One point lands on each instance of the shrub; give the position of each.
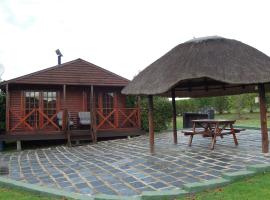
(162, 113)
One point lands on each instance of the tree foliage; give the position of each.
(162, 113)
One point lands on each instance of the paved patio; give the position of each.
(125, 167)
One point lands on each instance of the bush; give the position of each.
(162, 113)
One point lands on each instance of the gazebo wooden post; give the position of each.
(263, 114)
(174, 117)
(93, 116)
(151, 122)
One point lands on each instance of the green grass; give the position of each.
(254, 188)
(246, 119)
(16, 194)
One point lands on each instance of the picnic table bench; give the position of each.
(212, 128)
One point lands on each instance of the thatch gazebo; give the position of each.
(205, 67)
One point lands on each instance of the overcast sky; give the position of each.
(121, 36)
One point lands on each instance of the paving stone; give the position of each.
(127, 166)
(158, 185)
(137, 184)
(96, 183)
(149, 180)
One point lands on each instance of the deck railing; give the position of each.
(113, 118)
(39, 120)
(106, 118)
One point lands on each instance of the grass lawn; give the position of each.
(246, 119)
(253, 188)
(15, 194)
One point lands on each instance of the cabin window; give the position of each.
(49, 103)
(108, 105)
(44, 101)
(31, 103)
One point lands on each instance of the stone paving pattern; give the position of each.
(126, 167)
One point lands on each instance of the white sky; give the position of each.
(119, 35)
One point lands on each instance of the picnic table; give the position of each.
(212, 128)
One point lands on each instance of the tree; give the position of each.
(250, 102)
(187, 105)
(202, 103)
(162, 113)
(221, 104)
(238, 102)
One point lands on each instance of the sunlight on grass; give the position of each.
(15, 194)
(246, 119)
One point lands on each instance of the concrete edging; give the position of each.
(204, 185)
(148, 195)
(234, 176)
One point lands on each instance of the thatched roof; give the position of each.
(203, 66)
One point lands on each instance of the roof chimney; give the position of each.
(59, 54)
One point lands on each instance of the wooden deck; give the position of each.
(75, 135)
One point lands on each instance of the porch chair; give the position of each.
(60, 119)
(84, 118)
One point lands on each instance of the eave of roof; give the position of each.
(14, 80)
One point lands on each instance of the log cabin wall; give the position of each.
(77, 100)
(15, 108)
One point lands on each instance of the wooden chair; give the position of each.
(84, 118)
(60, 119)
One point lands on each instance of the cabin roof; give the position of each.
(76, 72)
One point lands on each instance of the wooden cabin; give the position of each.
(35, 101)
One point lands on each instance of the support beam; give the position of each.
(7, 108)
(263, 114)
(65, 120)
(93, 116)
(19, 145)
(139, 112)
(174, 117)
(151, 123)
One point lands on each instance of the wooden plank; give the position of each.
(41, 109)
(151, 123)
(7, 108)
(75, 134)
(174, 117)
(23, 121)
(22, 104)
(93, 115)
(139, 112)
(263, 116)
(128, 117)
(64, 109)
(116, 108)
(105, 119)
(49, 120)
(65, 122)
